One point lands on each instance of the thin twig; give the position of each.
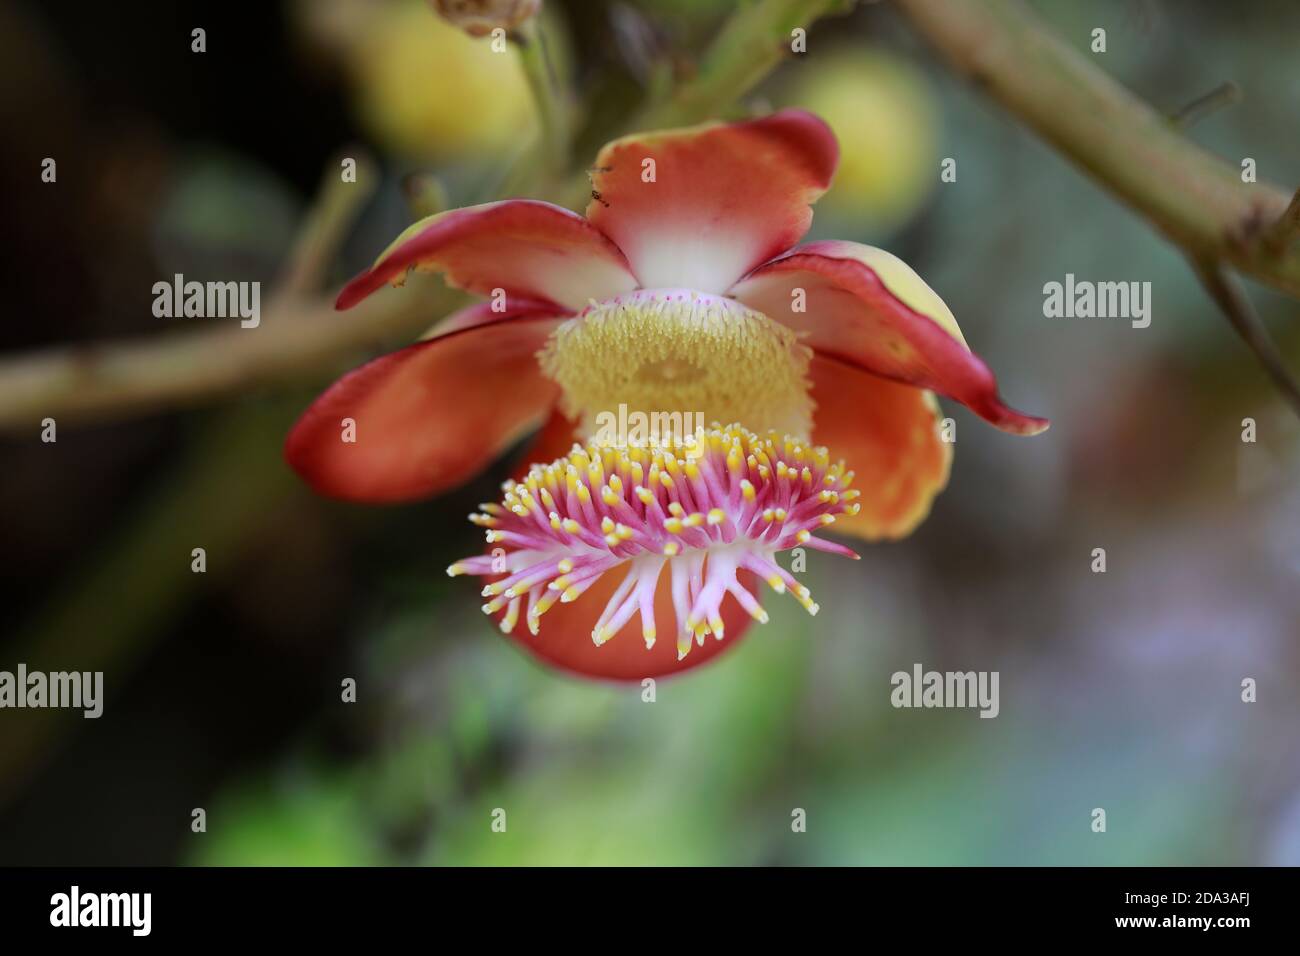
(1225, 94)
(332, 215)
(552, 112)
(1228, 294)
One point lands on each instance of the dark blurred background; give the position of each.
(1119, 690)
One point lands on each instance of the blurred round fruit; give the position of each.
(427, 91)
(886, 118)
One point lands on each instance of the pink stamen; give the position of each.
(731, 506)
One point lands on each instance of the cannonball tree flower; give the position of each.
(681, 290)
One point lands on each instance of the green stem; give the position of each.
(552, 113)
(752, 44)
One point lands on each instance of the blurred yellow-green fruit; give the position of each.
(886, 118)
(426, 91)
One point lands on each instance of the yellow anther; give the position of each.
(544, 604)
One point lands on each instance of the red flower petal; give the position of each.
(869, 308)
(427, 417)
(483, 313)
(886, 432)
(531, 249)
(723, 199)
(564, 636)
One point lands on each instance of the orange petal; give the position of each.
(867, 307)
(698, 208)
(427, 417)
(886, 433)
(564, 635)
(528, 249)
